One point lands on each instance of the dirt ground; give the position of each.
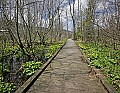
(68, 74)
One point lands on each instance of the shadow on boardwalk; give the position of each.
(67, 74)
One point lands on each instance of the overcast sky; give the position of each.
(67, 7)
(99, 11)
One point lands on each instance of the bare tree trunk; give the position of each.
(17, 27)
(67, 24)
(29, 27)
(72, 12)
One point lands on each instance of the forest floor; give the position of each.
(68, 73)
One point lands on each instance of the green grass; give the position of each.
(104, 58)
(29, 67)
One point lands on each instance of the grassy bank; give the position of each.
(104, 58)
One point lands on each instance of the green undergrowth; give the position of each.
(30, 67)
(41, 53)
(104, 58)
(53, 48)
(5, 87)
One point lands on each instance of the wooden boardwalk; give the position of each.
(67, 73)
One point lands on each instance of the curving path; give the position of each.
(67, 74)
